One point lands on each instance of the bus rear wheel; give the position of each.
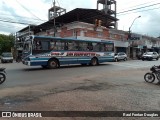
(52, 64)
(94, 61)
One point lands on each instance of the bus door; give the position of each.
(27, 49)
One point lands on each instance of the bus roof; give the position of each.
(71, 39)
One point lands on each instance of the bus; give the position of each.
(52, 52)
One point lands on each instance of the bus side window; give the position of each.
(96, 47)
(73, 46)
(58, 45)
(90, 47)
(66, 46)
(38, 45)
(45, 45)
(102, 47)
(77, 46)
(62, 45)
(53, 45)
(82, 46)
(109, 47)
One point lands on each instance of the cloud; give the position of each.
(29, 11)
(147, 24)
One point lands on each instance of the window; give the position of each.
(53, 45)
(73, 45)
(60, 45)
(41, 45)
(45, 45)
(89, 46)
(83, 46)
(37, 45)
(100, 34)
(109, 47)
(74, 33)
(96, 46)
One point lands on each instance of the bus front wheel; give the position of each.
(94, 61)
(52, 64)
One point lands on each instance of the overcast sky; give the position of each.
(36, 12)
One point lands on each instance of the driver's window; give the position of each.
(37, 45)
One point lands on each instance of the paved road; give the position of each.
(116, 86)
(18, 74)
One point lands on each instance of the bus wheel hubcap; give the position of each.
(53, 64)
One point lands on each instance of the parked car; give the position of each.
(6, 57)
(120, 56)
(150, 56)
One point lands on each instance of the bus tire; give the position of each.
(53, 63)
(2, 78)
(94, 61)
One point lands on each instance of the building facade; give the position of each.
(137, 45)
(85, 31)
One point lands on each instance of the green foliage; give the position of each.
(6, 42)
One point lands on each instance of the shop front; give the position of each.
(121, 46)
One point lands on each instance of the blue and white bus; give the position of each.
(51, 52)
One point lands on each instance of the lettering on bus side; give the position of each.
(55, 53)
(81, 54)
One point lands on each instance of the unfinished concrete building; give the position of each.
(109, 7)
(55, 11)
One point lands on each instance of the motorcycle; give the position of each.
(155, 73)
(2, 75)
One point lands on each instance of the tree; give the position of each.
(6, 42)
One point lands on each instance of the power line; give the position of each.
(2, 14)
(141, 4)
(27, 10)
(14, 22)
(138, 8)
(16, 27)
(26, 21)
(58, 3)
(139, 11)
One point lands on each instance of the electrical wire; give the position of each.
(13, 26)
(2, 14)
(14, 22)
(27, 10)
(58, 3)
(138, 8)
(139, 5)
(139, 11)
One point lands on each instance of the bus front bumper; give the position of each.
(26, 63)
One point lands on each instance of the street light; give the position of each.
(129, 34)
(132, 24)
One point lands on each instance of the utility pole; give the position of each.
(53, 13)
(129, 39)
(54, 6)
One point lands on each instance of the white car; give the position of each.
(120, 56)
(150, 56)
(7, 57)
